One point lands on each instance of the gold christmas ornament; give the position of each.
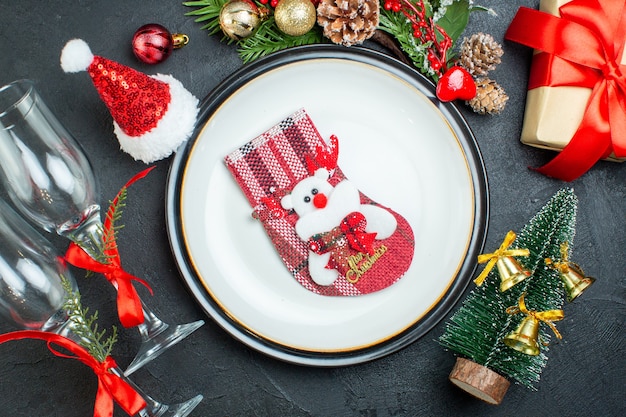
(348, 22)
(479, 54)
(573, 277)
(295, 17)
(524, 338)
(510, 271)
(239, 19)
(490, 97)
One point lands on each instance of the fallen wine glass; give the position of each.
(35, 286)
(51, 182)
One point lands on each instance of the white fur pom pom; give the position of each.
(76, 56)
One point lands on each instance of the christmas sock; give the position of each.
(333, 239)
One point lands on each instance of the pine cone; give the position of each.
(480, 53)
(348, 22)
(490, 97)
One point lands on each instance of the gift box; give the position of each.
(559, 100)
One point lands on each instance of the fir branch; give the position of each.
(100, 255)
(442, 23)
(268, 39)
(397, 25)
(85, 326)
(208, 11)
(113, 215)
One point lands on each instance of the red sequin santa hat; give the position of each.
(152, 115)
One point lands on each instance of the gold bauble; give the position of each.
(295, 17)
(239, 19)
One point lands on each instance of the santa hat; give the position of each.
(152, 115)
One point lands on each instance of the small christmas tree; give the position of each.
(492, 312)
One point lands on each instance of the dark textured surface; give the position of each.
(585, 372)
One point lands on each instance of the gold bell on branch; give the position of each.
(511, 272)
(575, 281)
(572, 275)
(524, 338)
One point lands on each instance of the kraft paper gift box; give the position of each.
(553, 114)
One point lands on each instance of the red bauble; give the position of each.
(152, 43)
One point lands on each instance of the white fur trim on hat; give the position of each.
(76, 56)
(174, 128)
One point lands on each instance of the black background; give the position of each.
(585, 371)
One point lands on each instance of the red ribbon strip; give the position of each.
(582, 48)
(110, 386)
(129, 307)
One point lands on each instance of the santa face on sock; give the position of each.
(336, 213)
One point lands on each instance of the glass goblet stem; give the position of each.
(156, 335)
(88, 235)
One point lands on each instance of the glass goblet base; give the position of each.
(157, 337)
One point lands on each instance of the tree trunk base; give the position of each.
(479, 381)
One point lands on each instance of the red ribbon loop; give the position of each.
(584, 48)
(129, 307)
(111, 387)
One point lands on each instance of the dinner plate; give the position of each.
(399, 144)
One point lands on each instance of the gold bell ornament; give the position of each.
(525, 338)
(511, 272)
(573, 277)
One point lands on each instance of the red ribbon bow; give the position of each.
(353, 226)
(111, 387)
(128, 302)
(129, 307)
(583, 48)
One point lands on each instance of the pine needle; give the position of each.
(397, 25)
(208, 11)
(85, 326)
(113, 216)
(268, 40)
